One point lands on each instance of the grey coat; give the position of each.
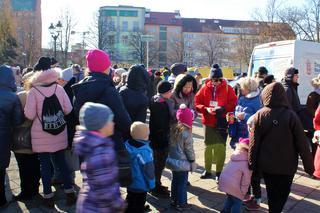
(11, 114)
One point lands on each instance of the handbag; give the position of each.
(22, 137)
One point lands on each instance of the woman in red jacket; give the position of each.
(213, 101)
(316, 125)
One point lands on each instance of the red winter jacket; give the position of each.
(316, 120)
(225, 96)
(316, 125)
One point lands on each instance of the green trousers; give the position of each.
(215, 151)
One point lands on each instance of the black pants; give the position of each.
(29, 171)
(255, 188)
(278, 190)
(3, 199)
(136, 201)
(160, 157)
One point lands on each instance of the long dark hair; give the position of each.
(183, 82)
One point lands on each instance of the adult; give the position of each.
(184, 92)
(277, 130)
(44, 142)
(262, 73)
(213, 101)
(134, 93)
(269, 79)
(117, 75)
(176, 69)
(10, 116)
(316, 124)
(77, 72)
(98, 87)
(248, 104)
(290, 84)
(28, 162)
(157, 79)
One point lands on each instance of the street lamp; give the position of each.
(55, 31)
(147, 38)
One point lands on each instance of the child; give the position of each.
(142, 168)
(181, 158)
(100, 189)
(161, 110)
(235, 177)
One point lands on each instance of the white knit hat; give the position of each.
(66, 74)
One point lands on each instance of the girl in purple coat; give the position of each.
(100, 190)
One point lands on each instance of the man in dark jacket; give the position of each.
(290, 84)
(11, 115)
(276, 143)
(98, 87)
(134, 93)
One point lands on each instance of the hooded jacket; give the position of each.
(143, 179)
(236, 176)
(224, 95)
(44, 81)
(11, 113)
(278, 137)
(292, 94)
(99, 88)
(100, 191)
(134, 93)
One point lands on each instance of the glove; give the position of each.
(220, 110)
(193, 166)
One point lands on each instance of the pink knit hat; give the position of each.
(184, 115)
(97, 60)
(244, 142)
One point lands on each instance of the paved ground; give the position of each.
(203, 194)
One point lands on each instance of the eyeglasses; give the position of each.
(217, 79)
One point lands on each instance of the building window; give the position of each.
(163, 58)
(128, 13)
(23, 5)
(111, 25)
(125, 26)
(163, 36)
(163, 46)
(111, 39)
(109, 13)
(163, 28)
(152, 29)
(135, 26)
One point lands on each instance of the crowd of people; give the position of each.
(96, 121)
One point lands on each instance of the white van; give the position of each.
(280, 55)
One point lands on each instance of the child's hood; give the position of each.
(85, 142)
(239, 155)
(135, 146)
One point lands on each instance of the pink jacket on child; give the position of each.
(236, 176)
(43, 141)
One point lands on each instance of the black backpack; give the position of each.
(52, 117)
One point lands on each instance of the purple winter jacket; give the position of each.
(100, 190)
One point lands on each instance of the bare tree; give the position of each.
(175, 49)
(212, 46)
(68, 25)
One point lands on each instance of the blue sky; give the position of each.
(84, 10)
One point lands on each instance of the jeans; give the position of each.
(57, 174)
(136, 201)
(179, 187)
(278, 190)
(3, 199)
(28, 164)
(232, 204)
(46, 172)
(160, 157)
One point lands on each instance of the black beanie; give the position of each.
(163, 87)
(44, 63)
(178, 68)
(290, 72)
(268, 79)
(53, 61)
(262, 71)
(216, 72)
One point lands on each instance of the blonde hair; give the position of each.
(315, 82)
(248, 83)
(26, 79)
(176, 131)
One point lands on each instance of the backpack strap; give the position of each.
(40, 92)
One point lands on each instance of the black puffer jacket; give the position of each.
(98, 88)
(278, 137)
(11, 113)
(292, 94)
(134, 93)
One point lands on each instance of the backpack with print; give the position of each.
(52, 118)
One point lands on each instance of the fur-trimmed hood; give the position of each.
(42, 78)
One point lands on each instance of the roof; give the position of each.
(163, 18)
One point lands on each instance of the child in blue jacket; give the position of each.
(143, 179)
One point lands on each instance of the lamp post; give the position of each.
(147, 38)
(55, 31)
(84, 33)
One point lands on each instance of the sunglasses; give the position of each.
(217, 79)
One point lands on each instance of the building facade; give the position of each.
(116, 24)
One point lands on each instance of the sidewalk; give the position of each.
(203, 194)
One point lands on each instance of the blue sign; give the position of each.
(23, 5)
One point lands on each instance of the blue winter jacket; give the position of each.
(134, 93)
(248, 104)
(99, 88)
(143, 179)
(11, 113)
